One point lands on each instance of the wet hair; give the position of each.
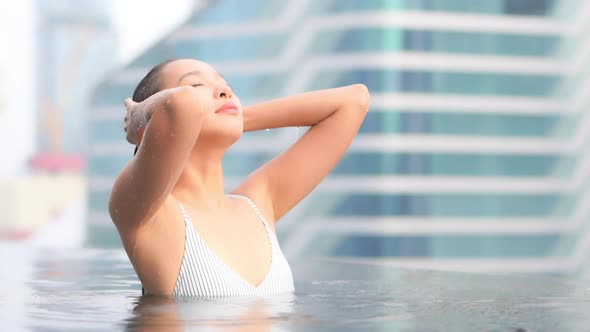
(149, 85)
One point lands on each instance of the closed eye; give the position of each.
(196, 85)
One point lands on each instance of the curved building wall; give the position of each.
(470, 156)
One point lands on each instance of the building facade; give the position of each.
(469, 158)
(76, 44)
(74, 49)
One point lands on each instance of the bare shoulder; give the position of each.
(168, 216)
(258, 193)
(157, 246)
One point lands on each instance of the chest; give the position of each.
(239, 238)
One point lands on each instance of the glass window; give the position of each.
(448, 205)
(396, 121)
(441, 82)
(242, 163)
(446, 164)
(109, 166)
(395, 39)
(110, 94)
(99, 201)
(256, 86)
(239, 48)
(103, 234)
(513, 7)
(108, 131)
(451, 164)
(236, 11)
(480, 43)
(448, 246)
(528, 7)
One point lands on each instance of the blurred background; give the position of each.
(472, 158)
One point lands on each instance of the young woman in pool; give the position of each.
(182, 233)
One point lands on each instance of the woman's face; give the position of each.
(219, 128)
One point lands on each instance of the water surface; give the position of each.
(97, 290)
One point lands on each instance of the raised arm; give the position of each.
(145, 182)
(335, 116)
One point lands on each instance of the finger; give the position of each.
(130, 137)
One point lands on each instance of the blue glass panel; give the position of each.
(446, 164)
(108, 165)
(441, 82)
(231, 49)
(395, 39)
(99, 201)
(458, 205)
(512, 7)
(396, 121)
(112, 94)
(448, 246)
(236, 11)
(108, 131)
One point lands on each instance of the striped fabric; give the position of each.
(204, 274)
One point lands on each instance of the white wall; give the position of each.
(17, 86)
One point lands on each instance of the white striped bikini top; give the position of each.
(204, 274)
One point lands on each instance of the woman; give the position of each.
(182, 233)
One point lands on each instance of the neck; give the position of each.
(201, 183)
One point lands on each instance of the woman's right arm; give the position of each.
(175, 119)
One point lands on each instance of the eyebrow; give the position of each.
(196, 72)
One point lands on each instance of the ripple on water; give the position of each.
(99, 290)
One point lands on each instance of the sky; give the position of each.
(140, 23)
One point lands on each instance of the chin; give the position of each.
(235, 135)
(231, 131)
(226, 136)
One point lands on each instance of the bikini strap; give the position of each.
(255, 209)
(183, 210)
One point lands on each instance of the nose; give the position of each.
(223, 91)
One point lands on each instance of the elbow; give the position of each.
(362, 97)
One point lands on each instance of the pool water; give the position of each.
(97, 290)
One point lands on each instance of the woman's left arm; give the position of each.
(335, 116)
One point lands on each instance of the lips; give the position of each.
(228, 108)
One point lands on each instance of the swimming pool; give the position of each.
(96, 290)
